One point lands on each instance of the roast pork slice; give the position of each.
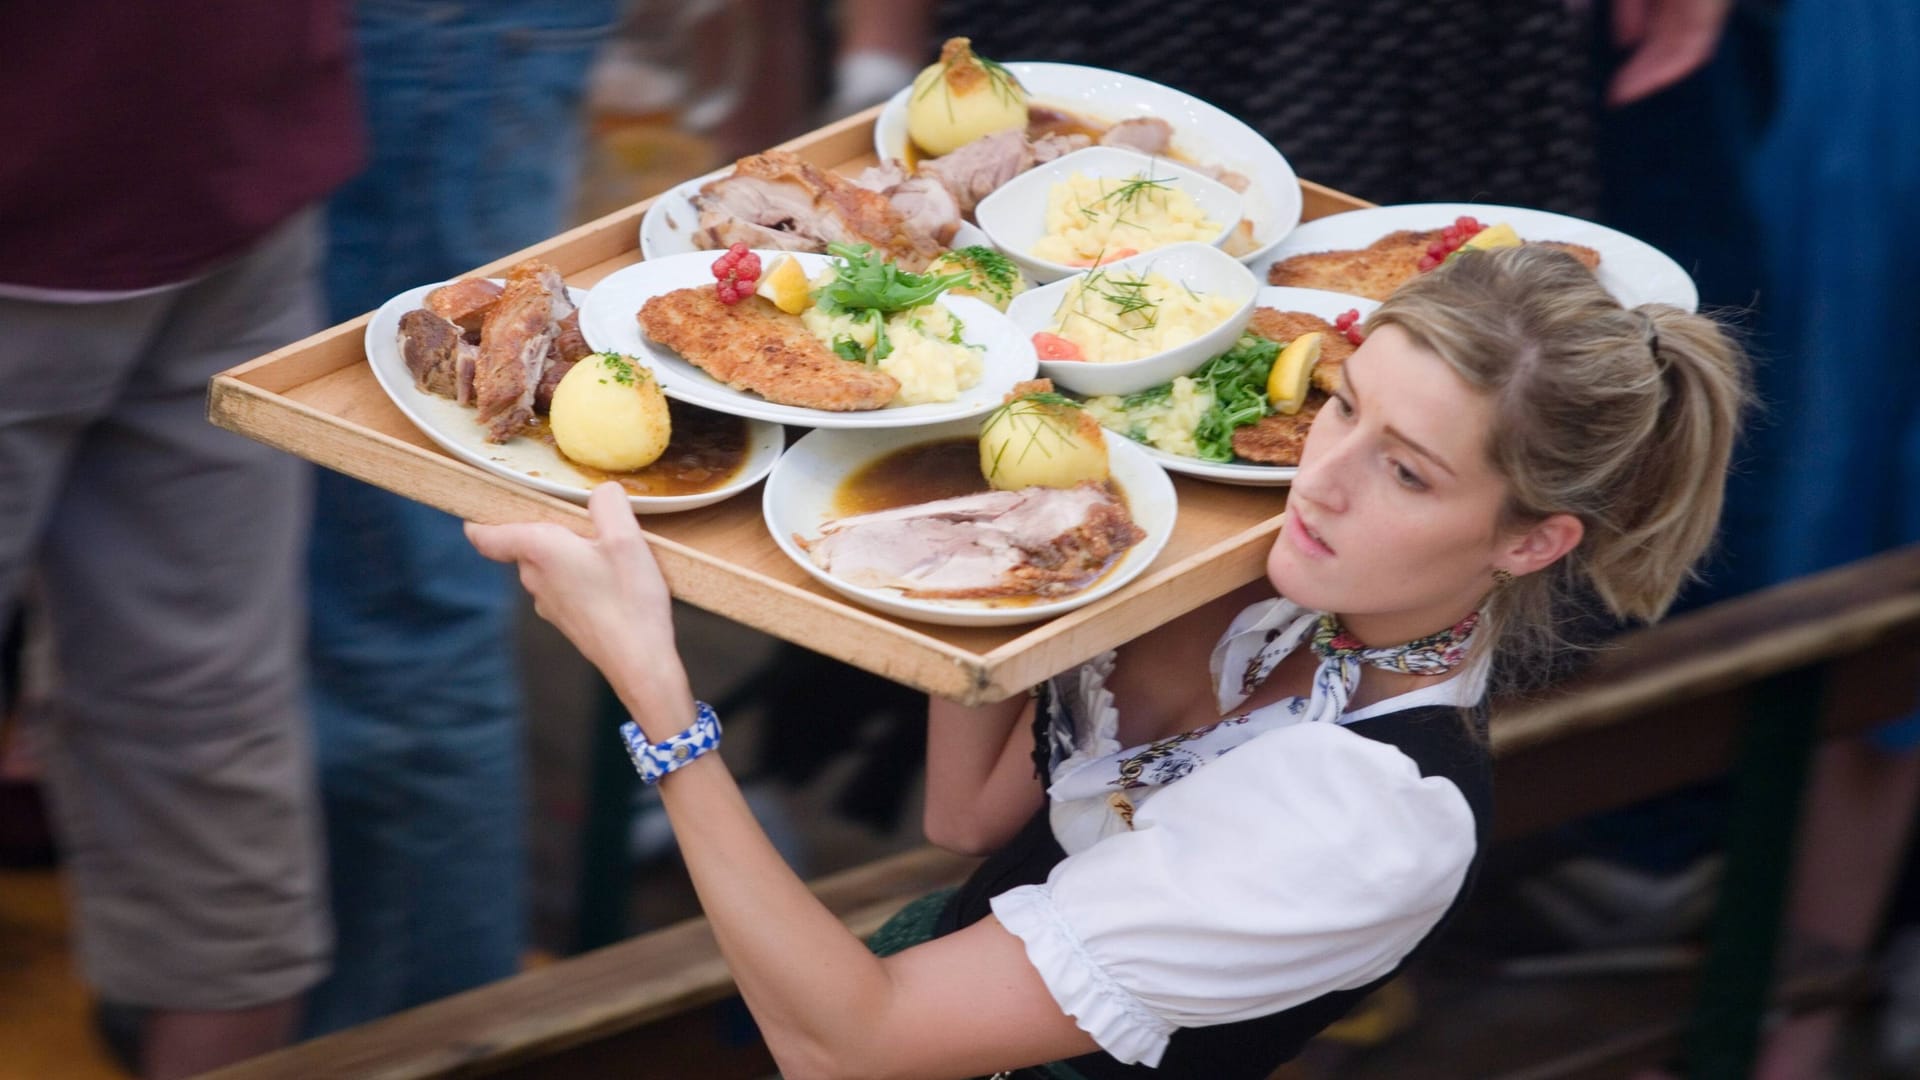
(569, 348)
(513, 347)
(430, 347)
(1147, 134)
(465, 303)
(1048, 147)
(928, 206)
(779, 191)
(1033, 542)
(976, 169)
(883, 177)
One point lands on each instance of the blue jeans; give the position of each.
(474, 112)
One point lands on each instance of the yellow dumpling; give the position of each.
(961, 97)
(608, 413)
(1041, 440)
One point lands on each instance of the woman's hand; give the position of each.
(607, 596)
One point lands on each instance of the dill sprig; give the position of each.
(1128, 297)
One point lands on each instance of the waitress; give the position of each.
(1208, 844)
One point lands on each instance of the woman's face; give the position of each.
(1393, 520)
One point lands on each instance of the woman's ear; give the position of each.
(1541, 545)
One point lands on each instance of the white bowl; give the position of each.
(530, 461)
(799, 499)
(1205, 270)
(1014, 217)
(1202, 133)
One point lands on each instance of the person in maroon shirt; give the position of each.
(158, 186)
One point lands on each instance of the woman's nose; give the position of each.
(1325, 473)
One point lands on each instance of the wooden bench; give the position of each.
(1743, 687)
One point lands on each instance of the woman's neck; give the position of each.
(1382, 630)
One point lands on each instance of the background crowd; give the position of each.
(279, 721)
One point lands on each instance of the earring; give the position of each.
(1502, 577)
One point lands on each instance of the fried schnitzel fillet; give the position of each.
(756, 347)
(1278, 439)
(1379, 268)
(1284, 326)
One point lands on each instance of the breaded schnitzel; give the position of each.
(1278, 439)
(756, 347)
(1284, 326)
(1382, 266)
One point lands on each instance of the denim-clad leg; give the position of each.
(474, 112)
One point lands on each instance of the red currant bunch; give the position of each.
(737, 272)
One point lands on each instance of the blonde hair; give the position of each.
(1624, 418)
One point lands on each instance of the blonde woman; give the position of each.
(1210, 843)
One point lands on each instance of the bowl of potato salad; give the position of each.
(1138, 322)
(1102, 204)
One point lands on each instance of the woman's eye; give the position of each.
(1407, 477)
(1344, 407)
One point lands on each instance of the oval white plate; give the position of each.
(1634, 271)
(528, 461)
(799, 499)
(609, 318)
(668, 226)
(1203, 133)
(1014, 215)
(1200, 268)
(1327, 305)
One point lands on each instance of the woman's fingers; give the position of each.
(612, 515)
(502, 543)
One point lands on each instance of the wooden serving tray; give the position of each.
(317, 398)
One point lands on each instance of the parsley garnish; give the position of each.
(621, 369)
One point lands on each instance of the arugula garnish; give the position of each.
(869, 288)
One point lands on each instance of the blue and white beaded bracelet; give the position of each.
(655, 760)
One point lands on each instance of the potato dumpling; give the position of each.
(1041, 439)
(608, 413)
(961, 97)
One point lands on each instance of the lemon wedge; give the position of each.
(1287, 382)
(1494, 236)
(786, 285)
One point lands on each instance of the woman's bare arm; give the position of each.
(981, 786)
(963, 1005)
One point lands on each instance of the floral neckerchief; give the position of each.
(1259, 638)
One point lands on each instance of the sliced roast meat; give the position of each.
(430, 347)
(465, 303)
(1033, 542)
(513, 347)
(972, 172)
(1147, 134)
(928, 206)
(569, 348)
(778, 192)
(1048, 147)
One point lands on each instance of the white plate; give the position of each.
(1204, 134)
(668, 226)
(1327, 305)
(523, 460)
(609, 319)
(1014, 215)
(799, 499)
(1634, 271)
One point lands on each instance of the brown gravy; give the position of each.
(913, 474)
(706, 451)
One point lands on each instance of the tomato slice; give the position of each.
(1055, 347)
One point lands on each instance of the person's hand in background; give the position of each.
(1669, 39)
(883, 45)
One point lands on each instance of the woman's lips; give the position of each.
(1305, 538)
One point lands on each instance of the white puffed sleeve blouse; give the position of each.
(1275, 861)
